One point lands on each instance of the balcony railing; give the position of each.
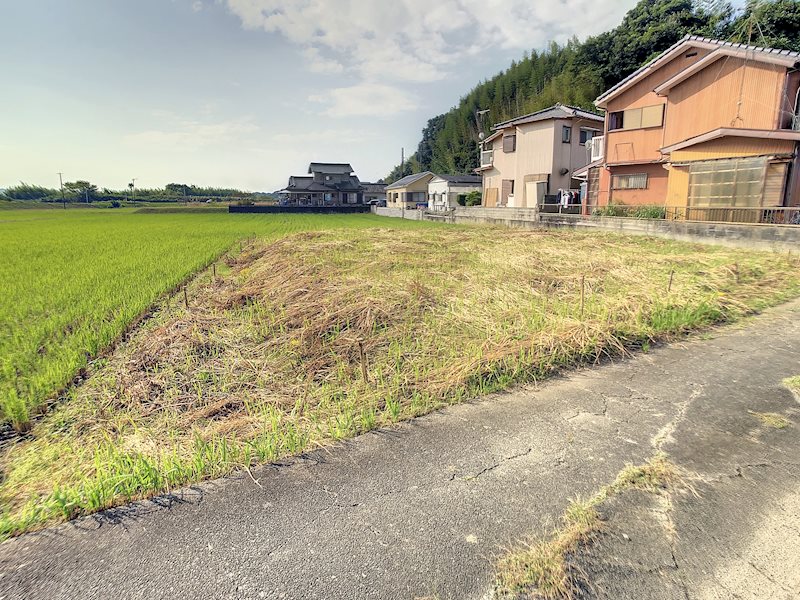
(596, 147)
(487, 158)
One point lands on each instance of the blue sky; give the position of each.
(245, 93)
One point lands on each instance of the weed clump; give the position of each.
(542, 567)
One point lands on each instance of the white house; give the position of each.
(448, 191)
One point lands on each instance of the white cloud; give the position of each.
(304, 139)
(365, 99)
(197, 5)
(317, 63)
(189, 135)
(420, 40)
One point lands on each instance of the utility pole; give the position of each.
(61, 184)
(133, 187)
(402, 174)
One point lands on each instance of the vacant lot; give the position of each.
(320, 336)
(74, 280)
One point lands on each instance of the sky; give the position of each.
(244, 93)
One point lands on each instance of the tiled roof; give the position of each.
(559, 111)
(408, 180)
(468, 179)
(333, 168)
(373, 187)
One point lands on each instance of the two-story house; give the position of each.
(536, 154)
(705, 124)
(327, 184)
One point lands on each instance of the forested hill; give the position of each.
(576, 73)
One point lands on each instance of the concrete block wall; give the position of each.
(398, 213)
(784, 238)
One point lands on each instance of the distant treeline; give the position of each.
(85, 191)
(576, 73)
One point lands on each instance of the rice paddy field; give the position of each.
(303, 330)
(73, 281)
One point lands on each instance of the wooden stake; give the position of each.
(214, 270)
(583, 291)
(185, 297)
(671, 277)
(363, 357)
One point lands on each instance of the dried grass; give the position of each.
(271, 358)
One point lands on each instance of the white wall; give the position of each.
(451, 191)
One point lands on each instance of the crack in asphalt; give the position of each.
(665, 434)
(497, 464)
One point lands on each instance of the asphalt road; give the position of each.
(422, 510)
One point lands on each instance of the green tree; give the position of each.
(25, 191)
(81, 190)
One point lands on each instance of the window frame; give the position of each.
(615, 179)
(566, 134)
(512, 137)
(632, 119)
(590, 135)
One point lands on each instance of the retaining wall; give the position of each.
(272, 209)
(762, 237)
(398, 213)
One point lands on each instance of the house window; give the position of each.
(586, 135)
(730, 182)
(653, 116)
(510, 143)
(566, 134)
(637, 118)
(636, 181)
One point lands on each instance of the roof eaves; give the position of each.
(676, 48)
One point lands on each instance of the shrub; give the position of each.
(612, 210)
(637, 212)
(649, 212)
(115, 204)
(474, 198)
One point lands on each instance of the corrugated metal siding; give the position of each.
(490, 198)
(678, 186)
(634, 145)
(732, 147)
(593, 187)
(642, 93)
(710, 99)
(775, 184)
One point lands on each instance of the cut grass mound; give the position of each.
(322, 336)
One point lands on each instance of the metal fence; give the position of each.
(732, 214)
(560, 209)
(778, 215)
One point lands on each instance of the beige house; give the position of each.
(409, 191)
(536, 154)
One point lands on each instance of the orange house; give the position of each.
(706, 124)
